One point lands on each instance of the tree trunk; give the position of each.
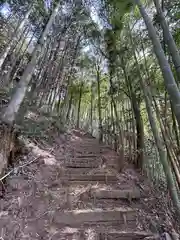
(139, 122)
(169, 39)
(121, 139)
(91, 113)
(17, 99)
(69, 107)
(162, 153)
(161, 150)
(6, 78)
(169, 80)
(79, 104)
(167, 169)
(140, 132)
(169, 148)
(114, 142)
(7, 49)
(24, 106)
(99, 105)
(20, 60)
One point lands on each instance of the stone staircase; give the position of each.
(105, 210)
(87, 200)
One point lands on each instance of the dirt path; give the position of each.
(76, 193)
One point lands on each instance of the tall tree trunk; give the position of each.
(14, 105)
(139, 160)
(169, 39)
(119, 127)
(99, 104)
(8, 47)
(7, 77)
(175, 127)
(169, 80)
(24, 106)
(69, 107)
(114, 140)
(161, 150)
(169, 148)
(91, 113)
(20, 62)
(42, 76)
(167, 169)
(79, 104)
(140, 132)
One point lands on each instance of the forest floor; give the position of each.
(67, 187)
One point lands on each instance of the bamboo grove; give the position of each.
(109, 67)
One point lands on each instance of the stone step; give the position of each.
(103, 234)
(102, 203)
(88, 140)
(73, 170)
(94, 148)
(87, 160)
(130, 224)
(74, 164)
(82, 151)
(84, 144)
(84, 183)
(89, 156)
(93, 178)
(125, 235)
(90, 146)
(90, 165)
(85, 150)
(89, 151)
(69, 233)
(86, 170)
(96, 216)
(128, 194)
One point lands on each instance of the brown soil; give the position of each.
(71, 189)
